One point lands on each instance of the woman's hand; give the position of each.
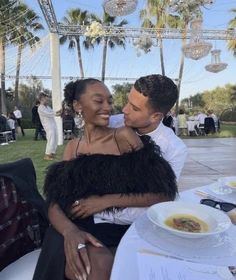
(84, 208)
(77, 260)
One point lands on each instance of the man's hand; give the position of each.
(86, 207)
(77, 261)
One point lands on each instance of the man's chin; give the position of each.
(127, 123)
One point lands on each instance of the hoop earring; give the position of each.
(81, 121)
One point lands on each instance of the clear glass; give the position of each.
(221, 188)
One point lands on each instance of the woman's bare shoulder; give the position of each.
(127, 139)
(70, 149)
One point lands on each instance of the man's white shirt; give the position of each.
(172, 149)
(17, 114)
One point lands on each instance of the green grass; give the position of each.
(27, 147)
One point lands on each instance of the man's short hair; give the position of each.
(161, 91)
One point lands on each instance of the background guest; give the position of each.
(18, 116)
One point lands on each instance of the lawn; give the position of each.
(27, 147)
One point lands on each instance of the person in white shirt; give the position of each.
(46, 115)
(18, 115)
(148, 102)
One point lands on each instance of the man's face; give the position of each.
(139, 114)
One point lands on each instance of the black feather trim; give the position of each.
(138, 172)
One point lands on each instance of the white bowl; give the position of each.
(216, 220)
(229, 182)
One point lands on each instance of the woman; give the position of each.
(105, 169)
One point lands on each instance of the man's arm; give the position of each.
(97, 204)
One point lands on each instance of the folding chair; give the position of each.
(23, 218)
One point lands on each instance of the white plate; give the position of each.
(216, 220)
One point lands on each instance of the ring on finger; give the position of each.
(77, 202)
(80, 246)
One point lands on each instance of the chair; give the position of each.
(68, 127)
(23, 216)
(5, 137)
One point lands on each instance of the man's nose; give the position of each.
(125, 109)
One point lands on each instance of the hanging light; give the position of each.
(143, 43)
(216, 64)
(197, 47)
(188, 5)
(119, 7)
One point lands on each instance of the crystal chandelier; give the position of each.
(185, 5)
(143, 43)
(119, 7)
(197, 47)
(216, 65)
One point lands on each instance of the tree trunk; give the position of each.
(104, 58)
(181, 71)
(80, 58)
(162, 58)
(17, 75)
(3, 108)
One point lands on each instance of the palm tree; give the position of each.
(24, 36)
(6, 25)
(232, 43)
(158, 10)
(110, 41)
(76, 17)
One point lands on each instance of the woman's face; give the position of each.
(95, 104)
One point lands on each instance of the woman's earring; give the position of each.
(80, 120)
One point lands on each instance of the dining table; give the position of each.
(148, 252)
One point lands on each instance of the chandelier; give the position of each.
(143, 43)
(188, 5)
(197, 47)
(216, 65)
(119, 7)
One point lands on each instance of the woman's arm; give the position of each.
(78, 263)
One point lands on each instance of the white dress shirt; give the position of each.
(172, 147)
(17, 114)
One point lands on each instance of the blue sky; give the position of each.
(126, 63)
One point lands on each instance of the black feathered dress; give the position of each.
(138, 172)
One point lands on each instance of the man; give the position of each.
(18, 116)
(149, 100)
(46, 116)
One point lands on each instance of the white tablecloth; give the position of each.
(125, 265)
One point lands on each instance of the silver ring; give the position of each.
(81, 246)
(77, 202)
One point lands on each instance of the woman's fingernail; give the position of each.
(77, 276)
(99, 244)
(88, 269)
(84, 277)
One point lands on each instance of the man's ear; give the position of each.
(157, 117)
